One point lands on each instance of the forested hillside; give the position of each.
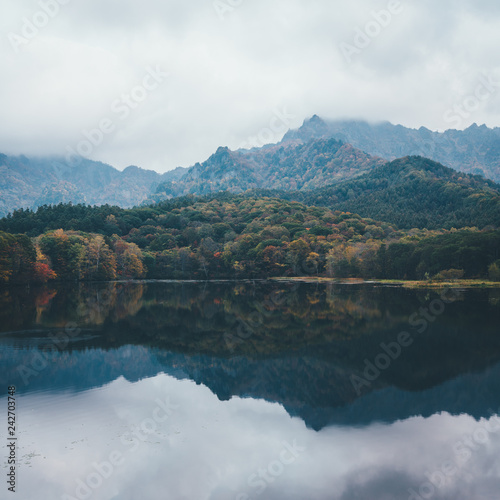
(411, 192)
(230, 236)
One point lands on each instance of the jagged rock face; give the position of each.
(32, 182)
(288, 166)
(475, 150)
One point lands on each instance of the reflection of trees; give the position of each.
(85, 304)
(345, 322)
(285, 315)
(17, 308)
(494, 298)
(288, 312)
(42, 302)
(112, 302)
(268, 318)
(299, 344)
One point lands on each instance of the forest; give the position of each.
(226, 236)
(411, 192)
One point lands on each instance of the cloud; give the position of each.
(228, 75)
(178, 440)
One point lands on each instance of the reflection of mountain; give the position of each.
(300, 350)
(76, 369)
(309, 388)
(315, 391)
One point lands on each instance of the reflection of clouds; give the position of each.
(375, 484)
(207, 449)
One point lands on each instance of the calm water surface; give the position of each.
(252, 390)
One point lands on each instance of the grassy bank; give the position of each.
(472, 283)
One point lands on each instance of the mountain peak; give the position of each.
(315, 119)
(316, 122)
(477, 154)
(132, 168)
(313, 128)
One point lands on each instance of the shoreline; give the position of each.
(471, 283)
(411, 284)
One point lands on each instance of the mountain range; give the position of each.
(287, 166)
(475, 150)
(340, 164)
(33, 182)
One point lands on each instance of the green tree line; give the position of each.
(230, 236)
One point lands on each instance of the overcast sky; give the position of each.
(234, 72)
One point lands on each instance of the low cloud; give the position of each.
(230, 68)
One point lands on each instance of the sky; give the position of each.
(163, 83)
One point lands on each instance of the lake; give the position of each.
(163, 390)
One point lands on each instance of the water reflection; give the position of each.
(296, 345)
(172, 439)
(249, 370)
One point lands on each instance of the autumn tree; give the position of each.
(129, 259)
(65, 252)
(494, 271)
(98, 262)
(298, 250)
